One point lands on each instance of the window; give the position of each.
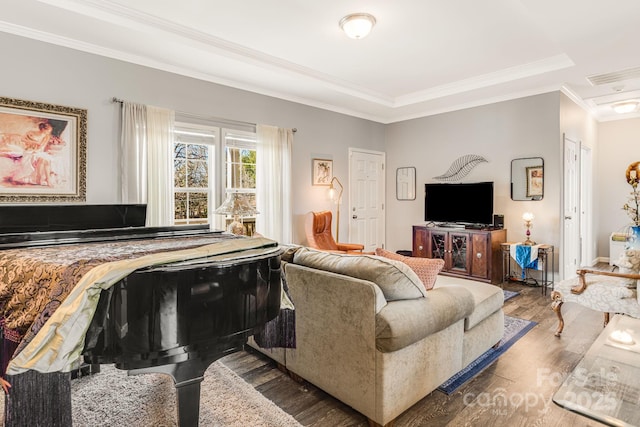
(196, 172)
(193, 173)
(240, 159)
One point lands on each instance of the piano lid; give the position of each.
(32, 218)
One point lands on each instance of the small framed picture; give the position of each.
(534, 181)
(321, 171)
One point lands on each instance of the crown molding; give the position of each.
(146, 62)
(477, 103)
(505, 75)
(113, 12)
(110, 11)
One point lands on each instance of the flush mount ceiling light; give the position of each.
(625, 106)
(357, 25)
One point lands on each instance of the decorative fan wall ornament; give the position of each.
(461, 167)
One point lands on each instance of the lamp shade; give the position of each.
(236, 204)
(527, 216)
(333, 193)
(357, 25)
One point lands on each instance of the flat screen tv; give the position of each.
(468, 203)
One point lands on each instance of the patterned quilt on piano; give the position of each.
(35, 282)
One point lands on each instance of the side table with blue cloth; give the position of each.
(529, 257)
(526, 256)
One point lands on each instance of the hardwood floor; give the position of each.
(520, 383)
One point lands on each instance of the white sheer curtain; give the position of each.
(133, 153)
(273, 176)
(160, 126)
(147, 169)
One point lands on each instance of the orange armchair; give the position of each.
(318, 230)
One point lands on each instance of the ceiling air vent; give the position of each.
(616, 76)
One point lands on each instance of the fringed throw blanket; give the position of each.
(281, 331)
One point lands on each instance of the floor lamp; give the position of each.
(332, 196)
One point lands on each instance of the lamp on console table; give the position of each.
(338, 199)
(237, 206)
(528, 218)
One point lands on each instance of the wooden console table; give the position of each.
(469, 253)
(545, 256)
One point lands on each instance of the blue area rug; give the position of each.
(514, 329)
(509, 294)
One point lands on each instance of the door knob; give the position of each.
(568, 217)
(355, 217)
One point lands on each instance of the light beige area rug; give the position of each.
(112, 398)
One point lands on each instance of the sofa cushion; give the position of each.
(402, 323)
(396, 280)
(487, 300)
(426, 269)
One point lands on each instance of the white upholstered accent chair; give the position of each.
(605, 291)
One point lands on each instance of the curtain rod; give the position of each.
(198, 116)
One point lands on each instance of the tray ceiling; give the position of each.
(422, 57)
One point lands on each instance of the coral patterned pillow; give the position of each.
(426, 269)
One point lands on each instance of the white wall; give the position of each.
(619, 143)
(501, 132)
(42, 72)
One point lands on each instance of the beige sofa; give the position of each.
(369, 334)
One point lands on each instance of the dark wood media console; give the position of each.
(468, 253)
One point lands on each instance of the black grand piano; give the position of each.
(175, 318)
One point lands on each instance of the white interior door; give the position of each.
(571, 219)
(366, 198)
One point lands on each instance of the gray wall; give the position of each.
(42, 72)
(501, 132)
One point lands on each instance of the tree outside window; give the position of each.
(195, 192)
(192, 175)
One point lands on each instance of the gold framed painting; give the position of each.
(43, 150)
(534, 181)
(321, 171)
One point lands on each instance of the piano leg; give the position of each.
(187, 376)
(188, 395)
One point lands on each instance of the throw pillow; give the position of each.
(288, 252)
(426, 269)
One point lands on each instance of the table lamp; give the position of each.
(236, 205)
(528, 218)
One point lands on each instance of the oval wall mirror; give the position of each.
(527, 178)
(406, 183)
